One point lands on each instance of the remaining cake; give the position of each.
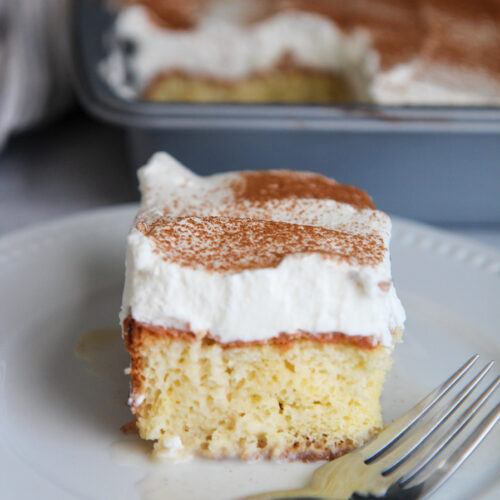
(259, 313)
(318, 51)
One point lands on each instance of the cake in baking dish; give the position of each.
(259, 313)
(316, 51)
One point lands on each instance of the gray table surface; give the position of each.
(77, 164)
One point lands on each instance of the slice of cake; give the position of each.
(259, 313)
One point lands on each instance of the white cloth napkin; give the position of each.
(34, 62)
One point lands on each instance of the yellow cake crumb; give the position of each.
(287, 86)
(310, 400)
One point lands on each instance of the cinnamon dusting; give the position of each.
(281, 184)
(172, 14)
(456, 32)
(225, 244)
(385, 286)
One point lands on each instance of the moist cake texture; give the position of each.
(384, 51)
(259, 313)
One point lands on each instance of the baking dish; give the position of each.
(388, 150)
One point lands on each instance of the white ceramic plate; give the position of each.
(59, 423)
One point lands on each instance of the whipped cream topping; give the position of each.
(426, 83)
(307, 291)
(222, 48)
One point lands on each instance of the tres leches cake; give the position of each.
(318, 51)
(259, 313)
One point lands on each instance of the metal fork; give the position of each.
(388, 466)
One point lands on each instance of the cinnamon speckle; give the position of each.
(225, 244)
(281, 184)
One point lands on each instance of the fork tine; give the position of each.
(397, 428)
(449, 466)
(413, 466)
(396, 456)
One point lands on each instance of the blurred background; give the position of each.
(67, 147)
